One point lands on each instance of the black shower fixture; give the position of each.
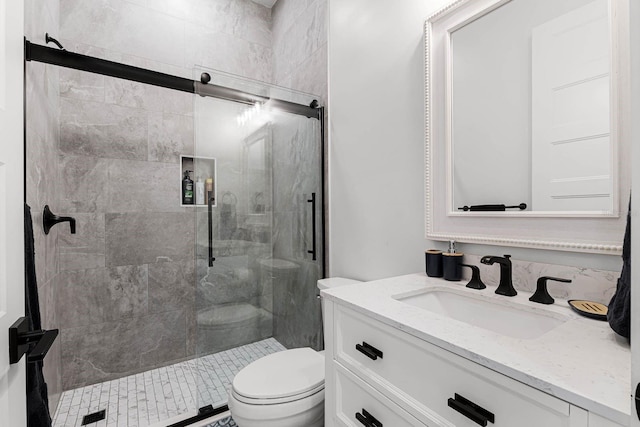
(49, 219)
(48, 39)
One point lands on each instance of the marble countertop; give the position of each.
(582, 361)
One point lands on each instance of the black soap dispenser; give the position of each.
(452, 263)
(187, 189)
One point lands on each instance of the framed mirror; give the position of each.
(526, 107)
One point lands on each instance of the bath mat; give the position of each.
(225, 422)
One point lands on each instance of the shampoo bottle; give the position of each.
(199, 191)
(187, 189)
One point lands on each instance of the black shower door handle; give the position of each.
(210, 223)
(312, 200)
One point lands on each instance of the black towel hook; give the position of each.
(49, 219)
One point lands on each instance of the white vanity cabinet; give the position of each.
(401, 380)
(358, 404)
(598, 421)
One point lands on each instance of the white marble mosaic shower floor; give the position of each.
(159, 394)
(225, 422)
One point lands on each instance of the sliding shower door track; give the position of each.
(203, 413)
(76, 61)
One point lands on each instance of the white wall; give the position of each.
(635, 242)
(376, 107)
(376, 136)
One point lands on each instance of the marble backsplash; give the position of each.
(587, 283)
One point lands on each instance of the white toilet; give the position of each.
(284, 389)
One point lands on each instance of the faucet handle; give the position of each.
(541, 294)
(475, 282)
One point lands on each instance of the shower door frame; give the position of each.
(91, 64)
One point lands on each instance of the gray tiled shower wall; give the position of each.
(299, 31)
(296, 154)
(127, 276)
(106, 152)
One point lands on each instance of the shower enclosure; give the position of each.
(161, 298)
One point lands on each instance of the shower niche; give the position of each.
(201, 185)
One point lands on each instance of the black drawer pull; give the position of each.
(368, 350)
(367, 419)
(470, 410)
(363, 420)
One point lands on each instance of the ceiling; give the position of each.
(267, 3)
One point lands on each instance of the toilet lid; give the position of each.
(283, 374)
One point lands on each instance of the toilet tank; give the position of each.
(330, 283)
(334, 282)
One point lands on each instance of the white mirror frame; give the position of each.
(543, 230)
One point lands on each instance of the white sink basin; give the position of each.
(513, 320)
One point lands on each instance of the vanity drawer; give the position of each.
(598, 421)
(353, 396)
(426, 377)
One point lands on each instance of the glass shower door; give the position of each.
(258, 233)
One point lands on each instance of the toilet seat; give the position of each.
(275, 401)
(281, 377)
(307, 412)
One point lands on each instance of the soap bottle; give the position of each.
(187, 189)
(199, 191)
(452, 263)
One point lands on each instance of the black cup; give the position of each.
(433, 261)
(452, 266)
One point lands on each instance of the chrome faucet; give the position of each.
(506, 283)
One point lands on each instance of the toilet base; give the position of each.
(307, 412)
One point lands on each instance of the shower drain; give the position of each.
(95, 417)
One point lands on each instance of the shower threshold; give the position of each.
(157, 395)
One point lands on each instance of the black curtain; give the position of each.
(37, 398)
(619, 314)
